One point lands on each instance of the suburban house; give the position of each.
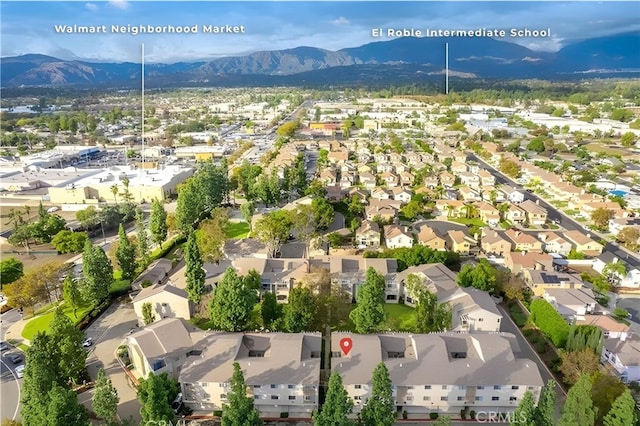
(488, 214)
(473, 310)
(437, 278)
(385, 209)
(438, 372)
(571, 303)
(534, 213)
(396, 236)
(553, 243)
(495, 243)
(512, 194)
(583, 243)
(281, 370)
(523, 241)
(430, 238)
(350, 272)
(632, 266)
(278, 276)
(539, 281)
(167, 301)
(622, 356)
(611, 328)
(161, 347)
(459, 242)
(368, 234)
(519, 261)
(515, 214)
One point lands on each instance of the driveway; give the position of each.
(10, 385)
(108, 332)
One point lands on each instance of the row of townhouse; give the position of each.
(525, 213)
(473, 310)
(495, 242)
(438, 372)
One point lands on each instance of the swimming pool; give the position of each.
(618, 192)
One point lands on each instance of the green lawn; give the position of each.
(399, 317)
(472, 222)
(119, 287)
(505, 224)
(237, 230)
(41, 323)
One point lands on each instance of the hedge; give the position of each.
(550, 322)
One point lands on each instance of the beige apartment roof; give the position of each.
(627, 351)
(163, 338)
(578, 237)
(289, 358)
(441, 279)
(436, 359)
(158, 289)
(605, 322)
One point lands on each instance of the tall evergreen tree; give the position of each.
(195, 274)
(155, 401)
(524, 414)
(544, 415)
(301, 310)
(143, 238)
(232, 303)
(380, 409)
(337, 405)
(105, 398)
(126, 255)
(71, 294)
(158, 222)
(64, 408)
(269, 309)
(240, 411)
(98, 274)
(66, 341)
(578, 408)
(369, 312)
(623, 412)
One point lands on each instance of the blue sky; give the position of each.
(28, 27)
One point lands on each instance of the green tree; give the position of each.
(232, 303)
(524, 414)
(550, 322)
(155, 401)
(98, 274)
(481, 276)
(105, 398)
(536, 144)
(11, 269)
(148, 315)
(578, 408)
(510, 168)
(270, 310)
(240, 411)
(614, 271)
(623, 412)
(605, 388)
(64, 409)
(337, 404)
(158, 223)
(67, 241)
(126, 255)
(195, 275)
(72, 294)
(288, 129)
(88, 217)
(545, 411)
(629, 235)
(369, 312)
(211, 236)
(431, 316)
(273, 230)
(380, 408)
(66, 341)
(142, 236)
(301, 310)
(247, 210)
(628, 139)
(600, 217)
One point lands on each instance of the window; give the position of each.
(222, 385)
(292, 397)
(461, 387)
(515, 387)
(427, 386)
(275, 397)
(307, 398)
(461, 398)
(409, 387)
(530, 387)
(495, 398)
(480, 319)
(497, 387)
(357, 398)
(274, 386)
(203, 384)
(257, 386)
(223, 396)
(480, 387)
(479, 398)
(444, 387)
(444, 398)
(337, 354)
(395, 354)
(357, 386)
(408, 398)
(426, 398)
(291, 386)
(513, 398)
(256, 354)
(256, 396)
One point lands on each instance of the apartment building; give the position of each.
(351, 271)
(278, 275)
(439, 372)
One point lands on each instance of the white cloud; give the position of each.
(119, 4)
(341, 21)
(91, 6)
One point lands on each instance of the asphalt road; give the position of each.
(10, 386)
(7, 320)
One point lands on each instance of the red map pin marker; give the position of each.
(346, 344)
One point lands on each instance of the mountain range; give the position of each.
(407, 59)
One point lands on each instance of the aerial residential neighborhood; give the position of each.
(320, 236)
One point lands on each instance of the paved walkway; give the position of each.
(14, 332)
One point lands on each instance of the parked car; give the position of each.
(19, 371)
(88, 342)
(15, 358)
(177, 405)
(52, 209)
(3, 346)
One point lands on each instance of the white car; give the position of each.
(52, 209)
(19, 371)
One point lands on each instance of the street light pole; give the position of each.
(104, 240)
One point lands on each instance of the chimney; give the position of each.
(538, 201)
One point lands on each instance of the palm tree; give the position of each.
(27, 210)
(15, 217)
(114, 191)
(615, 271)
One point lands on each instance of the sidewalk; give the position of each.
(14, 332)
